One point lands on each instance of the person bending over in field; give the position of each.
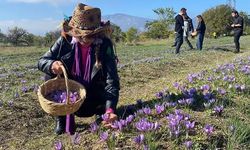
(88, 56)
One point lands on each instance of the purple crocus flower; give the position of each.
(218, 110)
(237, 87)
(10, 103)
(139, 139)
(192, 91)
(208, 96)
(144, 125)
(210, 79)
(189, 101)
(147, 110)
(159, 95)
(170, 104)
(94, 127)
(58, 145)
(105, 117)
(205, 87)
(188, 144)
(176, 85)
(211, 101)
(189, 125)
(221, 91)
(129, 119)
(182, 101)
(24, 89)
(117, 125)
(159, 108)
(76, 138)
(23, 81)
(208, 129)
(104, 136)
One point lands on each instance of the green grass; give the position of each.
(24, 125)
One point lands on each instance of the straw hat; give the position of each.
(85, 21)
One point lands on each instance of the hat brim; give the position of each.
(78, 32)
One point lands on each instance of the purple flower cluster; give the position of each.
(94, 127)
(58, 145)
(218, 110)
(245, 69)
(139, 139)
(104, 136)
(122, 123)
(159, 108)
(188, 144)
(176, 122)
(187, 101)
(145, 126)
(208, 129)
(60, 96)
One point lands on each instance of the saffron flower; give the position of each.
(159, 95)
(76, 138)
(221, 91)
(188, 144)
(139, 139)
(105, 117)
(189, 125)
(58, 145)
(218, 110)
(208, 129)
(104, 136)
(147, 110)
(94, 127)
(159, 108)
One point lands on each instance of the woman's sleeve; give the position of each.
(45, 62)
(112, 81)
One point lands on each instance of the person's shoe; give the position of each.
(173, 45)
(60, 125)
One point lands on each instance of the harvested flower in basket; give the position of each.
(60, 96)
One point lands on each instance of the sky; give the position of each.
(41, 16)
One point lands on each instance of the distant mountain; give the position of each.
(126, 21)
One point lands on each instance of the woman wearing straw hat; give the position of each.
(88, 57)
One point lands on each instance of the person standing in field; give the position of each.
(88, 56)
(179, 25)
(237, 26)
(200, 31)
(188, 26)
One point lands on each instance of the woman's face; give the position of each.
(198, 19)
(85, 40)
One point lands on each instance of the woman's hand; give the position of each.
(56, 67)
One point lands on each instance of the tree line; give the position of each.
(218, 19)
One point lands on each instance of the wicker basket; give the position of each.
(58, 83)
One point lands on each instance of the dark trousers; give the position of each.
(179, 42)
(200, 39)
(237, 34)
(188, 42)
(91, 106)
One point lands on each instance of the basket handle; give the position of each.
(66, 82)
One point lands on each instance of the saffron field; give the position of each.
(195, 100)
